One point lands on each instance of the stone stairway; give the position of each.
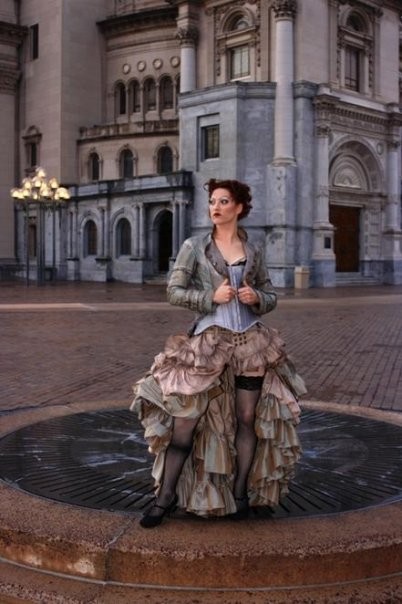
(349, 279)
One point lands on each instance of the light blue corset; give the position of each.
(234, 315)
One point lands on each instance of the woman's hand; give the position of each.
(247, 295)
(224, 293)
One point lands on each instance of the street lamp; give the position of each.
(43, 194)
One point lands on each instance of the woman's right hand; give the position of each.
(224, 293)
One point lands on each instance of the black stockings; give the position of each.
(247, 394)
(248, 391)
(176, 454)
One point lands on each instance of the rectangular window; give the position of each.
(34, 41)
(32, 155)
(239, 62)
(210, 142)
(352, 68)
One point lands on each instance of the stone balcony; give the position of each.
(141, 127)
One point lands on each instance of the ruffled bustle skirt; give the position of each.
(194, 378)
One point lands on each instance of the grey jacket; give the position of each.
(200, 269)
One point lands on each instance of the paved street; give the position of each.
(85, 342)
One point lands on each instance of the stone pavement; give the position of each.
(73, 347)
(82, 342)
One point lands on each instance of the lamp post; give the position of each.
(43, 194)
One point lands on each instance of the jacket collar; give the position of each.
(217, 260)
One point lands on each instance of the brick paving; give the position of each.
(69, 343)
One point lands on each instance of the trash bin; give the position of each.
(302, 277)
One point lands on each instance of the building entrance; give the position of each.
(164, 242)
(346, 221)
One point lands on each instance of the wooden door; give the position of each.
(346, 221)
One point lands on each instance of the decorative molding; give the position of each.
(11, 33)
(133, 22)
(187, 36)
(284, 9)
(8, 79)
(323, 130)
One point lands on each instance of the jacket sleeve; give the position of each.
(264, 289)
(184, 289)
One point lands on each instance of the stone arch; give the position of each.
(114, 225)
(232, 16)
(360, 14)
(354, 165)
(88, 216)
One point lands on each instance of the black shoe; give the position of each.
(152, 520)
(242, 508)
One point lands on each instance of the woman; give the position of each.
(219, 405)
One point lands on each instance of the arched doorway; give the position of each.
(164, 241)
(354, 180)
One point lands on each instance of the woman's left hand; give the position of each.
(247, 295)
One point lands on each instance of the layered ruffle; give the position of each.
(192, 378)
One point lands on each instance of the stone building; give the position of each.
(134, 104)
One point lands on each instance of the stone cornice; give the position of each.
(333, 112)
(10, 33)
(141, 19)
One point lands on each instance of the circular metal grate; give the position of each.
(100, 460)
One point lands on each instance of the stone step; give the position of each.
(22, 585)
(345, 279)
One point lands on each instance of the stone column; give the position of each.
(11, 38)
(323, 257)
(142, 230)
(393, 209)
(285, 12)
(175, 229)
(333, 42)
(182, 221)
(392, 236)
(188, 37)
(281, 203)
(136, 234)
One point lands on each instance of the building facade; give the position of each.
(135, 104)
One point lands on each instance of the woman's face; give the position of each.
(222, 207)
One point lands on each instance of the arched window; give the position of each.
(165, 160)
(355, 22)
(120, 99)
(135, 96)
(123, 238)
(166, 93)
(94, 166)
(239, 22)
(149, 95)
(238, 44)
(356, 51)
(90, 239)
(126, 164)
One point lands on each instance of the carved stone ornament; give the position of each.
(285, 9)
(8, 80)
(323, 130)
(187, 35)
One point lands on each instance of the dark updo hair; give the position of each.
(238, 190)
